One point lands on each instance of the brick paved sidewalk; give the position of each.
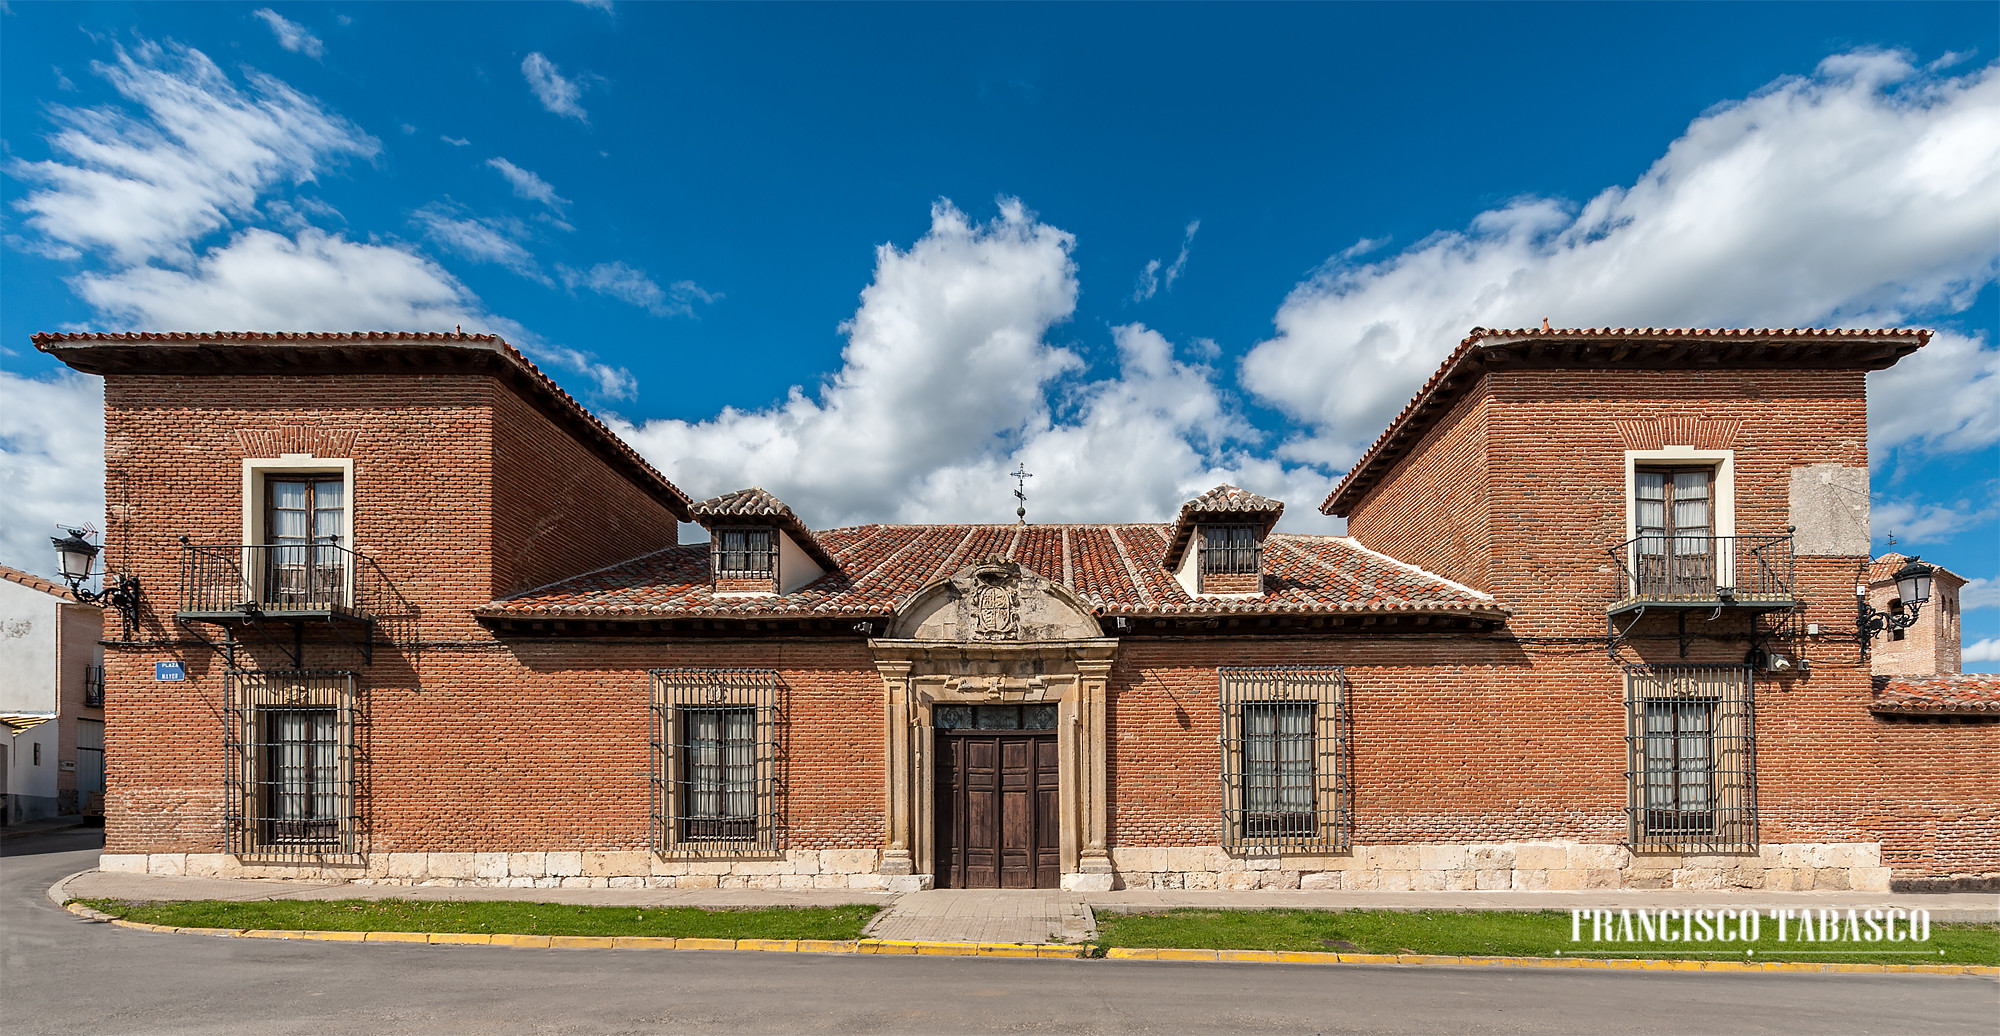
(987, 915)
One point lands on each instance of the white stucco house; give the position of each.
(51, 699)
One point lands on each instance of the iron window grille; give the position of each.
(1285, 766)
(292, 786)
(746, 554)
(1230, 550)
(93, 686)
(715, 761)
(1691, 772)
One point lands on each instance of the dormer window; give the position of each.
(757, 546)
(746, 554)
(1216, 546)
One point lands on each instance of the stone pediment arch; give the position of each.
(994, 600)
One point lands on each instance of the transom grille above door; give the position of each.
(1284, 740)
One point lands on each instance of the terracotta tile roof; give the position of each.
(1646, 348)
(1955, 694)
(35, 582)
(1883, 569)
(97, 352)
(754, 506)
(1116, 568)
(1225, 503)
(21, 723)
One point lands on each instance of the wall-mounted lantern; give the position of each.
(1913, 588)
(75, 556)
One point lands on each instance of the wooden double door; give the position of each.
(997, 816)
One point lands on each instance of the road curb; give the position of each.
(931, 948)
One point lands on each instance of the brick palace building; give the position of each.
(1593, 626)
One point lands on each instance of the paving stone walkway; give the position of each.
(987, 915)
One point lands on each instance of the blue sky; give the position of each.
(873, 257)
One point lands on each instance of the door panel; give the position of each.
(997, 821)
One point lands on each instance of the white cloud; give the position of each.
(557, 94)
(599, 5)
(626, 284)
(1979, 593)
(527, 185)
(1942, 399)
(947, 382)
(1151, 280)
(1987, 650)
(481, 239)
(291, 35)
(147, 188)
(1915, 522)
(456, 141)
(51, 463)
(1865, 194)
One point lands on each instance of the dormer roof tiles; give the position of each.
(1224, 503)
(754, 506)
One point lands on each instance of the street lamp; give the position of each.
(74, 558)
(1913, 589)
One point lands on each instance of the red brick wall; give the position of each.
(1431, 510)
(558, 508)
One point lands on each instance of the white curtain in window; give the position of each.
(1650, 511)
(1691, 513)
(1278, 757)
(1677, 757)
(721, 763)
(305, 765)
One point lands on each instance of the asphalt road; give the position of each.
(66, 975)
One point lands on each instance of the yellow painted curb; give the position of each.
(461, 938)
(1121, 953)
(536, 942)
(705, 944)
(643, 942)
(398, 937)
(582, 942)
(827, 946)
(769, 945)
(1248, 956)
(1369, 958)
(1171, 954)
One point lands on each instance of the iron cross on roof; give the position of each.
(1021, 476)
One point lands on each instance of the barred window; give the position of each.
(292, 781)
(1285, 770)
(1691, 772)
(1229, 550)
(745, 554)
(715, 773)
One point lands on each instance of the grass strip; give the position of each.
(498, 917)
(1507, 934)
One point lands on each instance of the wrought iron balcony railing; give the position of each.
(1698, 569)
(284, 579)
(93, 686)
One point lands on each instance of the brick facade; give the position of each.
(506, 733)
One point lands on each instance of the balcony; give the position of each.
(1750, 573)
(93, 687)
(254, 585)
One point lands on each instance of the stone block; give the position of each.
(1395, 880)
(617, 864)
(1697, 878)
(1493, 877)
(517, 881)
(409, 866)
(627, 881)
(1202, 880)
(1169, 880)
(1427, 881)
(1320, 881)
(696, 881)
(863, 881)
(1236, 881)
(1395, 857)
(660, 866)
(1531, 880)
(375, 866)
(1492, 857)
(1868, 879)
(1830, 878)
(1361, 880)
(716, 867)
(1136, 859)
(527, 865)
(450, 865)
(1263, 863)
(1566, 880)
(1278, 879)
(1191, 858)
(849, 861)
(574, 882)
(803, 863)
(565, 865)
(123, 863)
(1099, 881)
(213, 865)
(1460, 880)
(796, 881)
(170, 864)
(1744, 876)
(547, 881)
(1585, 856)
(1779, 879)
(1442, 857)
(488, 866)
(761, 868)
(1647, 877)
(1541, 856)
